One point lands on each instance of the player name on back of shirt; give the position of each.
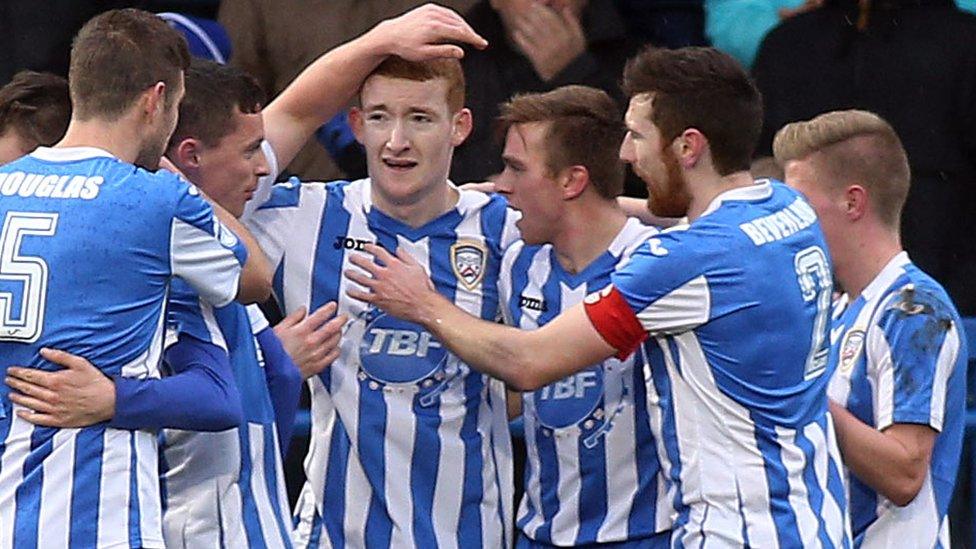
(50, 185)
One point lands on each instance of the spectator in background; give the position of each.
(914, 63)
(535, 46)
(34, 110)
(737, 27)
(665, 23)
(275, 39)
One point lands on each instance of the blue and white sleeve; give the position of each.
(273, 223)
(284, 384)
(203, 252)
(912, 348)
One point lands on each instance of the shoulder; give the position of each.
(292, 193)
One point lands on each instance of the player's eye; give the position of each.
(423, 118)
(376, 117)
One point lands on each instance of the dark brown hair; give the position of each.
(585, 129)
(422, 71)
(214, 92)
(36, 106)
(700, 88)
(119, 54)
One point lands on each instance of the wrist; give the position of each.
(378, 42)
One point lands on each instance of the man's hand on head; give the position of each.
(312, 340)
(77, 396)
(397, 284)
(427, 32)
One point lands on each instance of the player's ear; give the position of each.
(462, 127)
(356, 123)
(153, 101)
(186, 154)
(856, 202)
(689, 147)
(574, 181)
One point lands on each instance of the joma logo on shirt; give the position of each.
(344, 242)
(532, 303)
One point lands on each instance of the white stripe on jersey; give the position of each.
(943, 369)
(212, 270)
(12, 472)
(795, 461)
(115, 457)
(266, 516)
(399, 419)
(53, 528)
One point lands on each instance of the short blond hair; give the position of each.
(852, 147)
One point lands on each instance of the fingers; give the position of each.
(32, 403)
(65, 359)
(366, 263)
(294, 318)
(33, 376)
(359, 278)
(360, 295)
(42, 419)
(322, 314)
(379, 252)
(30, 389)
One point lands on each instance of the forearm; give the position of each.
(200, 396)
(321, 90)
(284, 385)
(877, 459)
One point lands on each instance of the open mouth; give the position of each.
(399, 164)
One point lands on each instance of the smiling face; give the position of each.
(528, 184)
(228, 171)
(654, 161)
(409, 133)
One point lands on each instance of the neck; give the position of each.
(117, 137)
(585, 231)
(704, 189)
(417, 210)
(867, 252)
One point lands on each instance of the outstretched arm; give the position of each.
(525, 360)
(331, 81)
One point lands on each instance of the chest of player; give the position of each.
(395, 358)
(854, 381)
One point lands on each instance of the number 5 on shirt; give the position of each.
(22, 319)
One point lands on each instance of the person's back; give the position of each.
(88, 245)
(751, 424)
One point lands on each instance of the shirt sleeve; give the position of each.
(201, 395)
(661, 291)
(912, 347)
(187, 313)
(273, 223)
(203, 252)
(284, 384)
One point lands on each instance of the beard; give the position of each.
(671, 198)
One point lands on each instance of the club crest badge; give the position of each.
(468, 259)
(850, 350)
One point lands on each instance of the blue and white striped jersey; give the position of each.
(737, 305)
(225, 488)
(593, 472)
(87, 249)
(901, 358)
(409, 446)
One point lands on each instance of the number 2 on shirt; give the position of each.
(814, 278)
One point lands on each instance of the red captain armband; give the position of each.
(615, 321)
